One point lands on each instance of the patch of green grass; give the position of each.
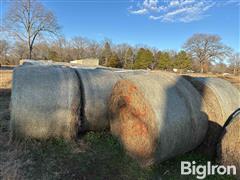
(98, 156)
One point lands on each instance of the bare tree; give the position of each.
(28, 19)
(41, 51)
(80, 44)
(206, 48)
(234, 61)
(219, 68)
(93, 49)
(62, 48)
(121, 50)
(19, 50)
(4, 48)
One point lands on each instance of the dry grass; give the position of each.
(10, 163)
(235, 80)
(5, 78)
(136, 121)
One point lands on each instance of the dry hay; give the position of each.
(133, 120)
(221, 99)
(155, 117)
(50, 100)
(96, 87)
(45, 102)
(228, 151)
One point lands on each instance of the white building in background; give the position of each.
(86, 62)
(33, 61)
(175, 70)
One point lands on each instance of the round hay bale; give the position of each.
(45, 102)
(221, 99)
(96, 88)
(156, 117)
(228, 149)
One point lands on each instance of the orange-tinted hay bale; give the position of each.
(155, 118)
(228, 152)
(135, 122)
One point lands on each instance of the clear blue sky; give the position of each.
(165, 24)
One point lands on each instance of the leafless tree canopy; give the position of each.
(234, 61)
(4, 48)
(206, 48)
(28, 19)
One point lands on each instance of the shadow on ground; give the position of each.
(94, 156)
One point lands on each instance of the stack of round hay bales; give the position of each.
(221, 99)
(45, 102)
(96, 88)
(156, 117)
(58, 101)
(228, 152)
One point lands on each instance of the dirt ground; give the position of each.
(95, 155)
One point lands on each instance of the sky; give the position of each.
(163, 24)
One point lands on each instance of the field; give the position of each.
(92, 156)
(235, 80)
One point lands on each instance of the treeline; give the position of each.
(109, 54)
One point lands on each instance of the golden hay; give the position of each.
(155, 117)
(228, 152)
(135, 120)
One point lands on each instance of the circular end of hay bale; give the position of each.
(213, 106)
(45, 102)
(134, 120)
(220, 99)
(155, 117)
(228, 150)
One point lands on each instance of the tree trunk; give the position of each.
(29, 47)
(201, 66)
(30, 52)
(234, 71)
